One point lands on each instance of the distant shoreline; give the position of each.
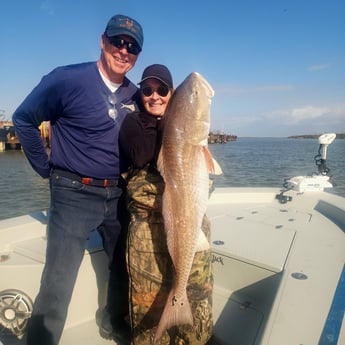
(314, 136)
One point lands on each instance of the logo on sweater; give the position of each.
(130, 107)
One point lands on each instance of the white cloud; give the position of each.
(283, 122)
(301, 114)
(318, 67)
(307, 112)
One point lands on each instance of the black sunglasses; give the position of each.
(162, 90)
(132, 47)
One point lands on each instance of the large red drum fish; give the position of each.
(185, 163)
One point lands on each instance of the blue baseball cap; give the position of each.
(123, 25)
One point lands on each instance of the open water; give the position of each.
(257, 162)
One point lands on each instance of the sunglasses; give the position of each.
(112, 112)
(162, 90)
(132, 47)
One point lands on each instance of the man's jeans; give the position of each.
(76, 210)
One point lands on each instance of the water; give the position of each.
(257, 162)
(22, 191)
(267, 162)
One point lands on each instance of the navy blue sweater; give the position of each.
(84, 138)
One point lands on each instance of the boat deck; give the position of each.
(279, 269)
(277, 266)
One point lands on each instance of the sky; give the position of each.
(277, 67)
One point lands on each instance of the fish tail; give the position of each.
(176, 312)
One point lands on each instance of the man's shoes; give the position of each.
(105, 327)
(119, 331)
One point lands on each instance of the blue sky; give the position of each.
(277, 67)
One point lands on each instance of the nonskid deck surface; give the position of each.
(276, 265)
(273, 264)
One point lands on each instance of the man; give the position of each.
(85, 104)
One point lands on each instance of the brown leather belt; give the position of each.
(87, 180)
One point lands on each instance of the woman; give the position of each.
(148, 261)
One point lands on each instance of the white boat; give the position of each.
(278, 259)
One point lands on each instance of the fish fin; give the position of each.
(217, 169)
(202, 243)
(175, 313)
(212, 165)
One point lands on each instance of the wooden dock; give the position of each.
(10, 144)
(8, 138)
(220, 138)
